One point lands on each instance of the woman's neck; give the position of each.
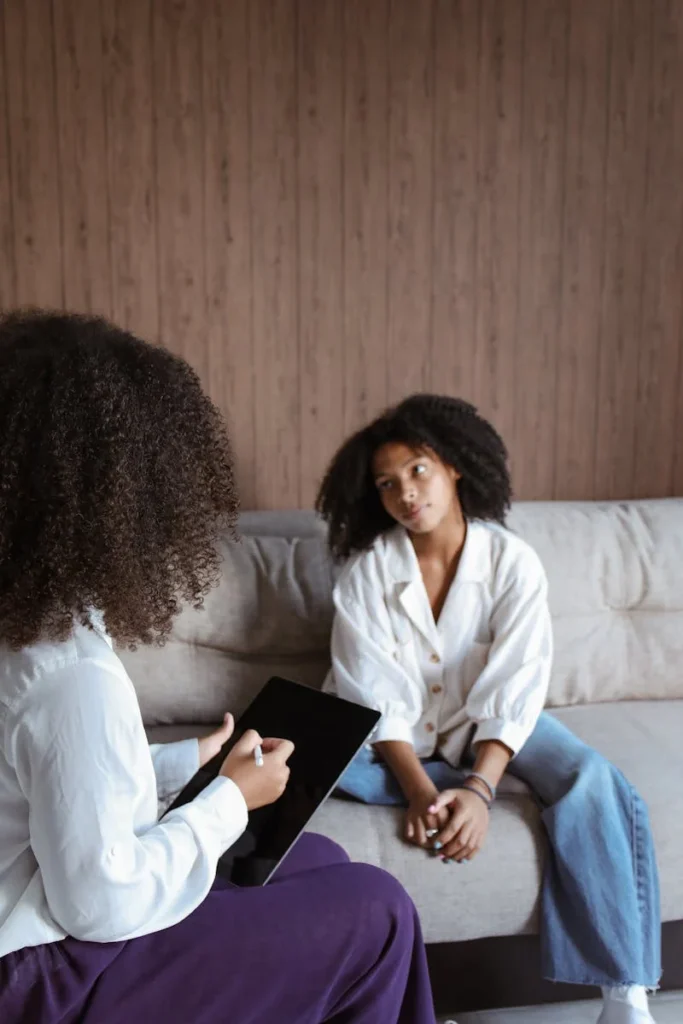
(445, 542)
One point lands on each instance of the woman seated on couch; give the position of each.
(442, 624)
(115, 477)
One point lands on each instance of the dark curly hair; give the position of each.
(348, 499)
(116, 475)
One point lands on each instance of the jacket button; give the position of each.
(429, 727)
(435, 659)
(437, 688)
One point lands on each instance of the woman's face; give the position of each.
(416, 488)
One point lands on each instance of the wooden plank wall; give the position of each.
(327, 204)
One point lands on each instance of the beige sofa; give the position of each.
(616, 593)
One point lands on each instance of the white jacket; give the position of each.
(81, 850)
(485, 666)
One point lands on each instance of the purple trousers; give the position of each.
(325, 940)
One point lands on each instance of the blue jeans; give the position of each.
(600, 912)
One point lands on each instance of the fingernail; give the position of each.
(437, 845)
(447, 860)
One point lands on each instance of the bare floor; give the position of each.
(666, 1008)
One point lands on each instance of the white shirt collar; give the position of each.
(475, 561)
(404, 569)
(96, 618)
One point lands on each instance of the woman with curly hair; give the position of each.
(442, 624)
(115, 478)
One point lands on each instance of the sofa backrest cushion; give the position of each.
(616, 594)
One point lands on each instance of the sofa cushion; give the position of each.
(616, 598)
(271, 614)
(497, 893)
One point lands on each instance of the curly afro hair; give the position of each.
(116, 476)
(348, 499)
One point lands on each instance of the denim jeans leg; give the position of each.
(369, 780)
(600, 916)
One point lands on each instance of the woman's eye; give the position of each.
(420, 469)
(384, 485)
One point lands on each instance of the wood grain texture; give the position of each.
(625, 199)
(499, 274)
(35, 173)
(456, 138)
(583, 234)
(131, 178)
(325, 206)
(659, 361)
(411, 197)
(227, 228)
(274, 239)
(542, 170)
(320, 241)
(82, 155)
(179, 129)
(365, 210)
(7, 274)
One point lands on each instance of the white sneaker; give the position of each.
(622, 1013)
(625, 1004)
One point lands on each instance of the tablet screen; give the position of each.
(327, 733)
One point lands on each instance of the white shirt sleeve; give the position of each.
(363, 663)
(84, 765)
(509, 694)
(174, 765)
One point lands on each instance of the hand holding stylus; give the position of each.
(263, 783)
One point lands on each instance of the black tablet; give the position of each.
(327, 733)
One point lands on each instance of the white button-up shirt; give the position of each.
(483, 668)
(81, 850)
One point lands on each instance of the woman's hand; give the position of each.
(463, 835)
(210, 745)
(264, 784)
(418, 820)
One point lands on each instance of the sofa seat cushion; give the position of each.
(497, 893)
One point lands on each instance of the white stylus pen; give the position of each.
(258, 755)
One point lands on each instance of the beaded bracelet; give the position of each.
(482, 778)
(480, 795)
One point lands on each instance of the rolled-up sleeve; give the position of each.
(509, 694)
(82, 760)
(363, 664)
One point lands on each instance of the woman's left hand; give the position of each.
(464, 834)
(210, 745)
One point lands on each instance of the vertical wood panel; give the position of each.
(659, 393)
(366, 209)
(411, 151)
(327, 206)
(575, 414)
(627, 162)
(228, 331)
(542, 163)
(498, 270)
(273, 132)
(454, 278)
(82, 155)
(321, 264)
(35, 172)
(179, 162)
(7, 275)
(130, 164)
